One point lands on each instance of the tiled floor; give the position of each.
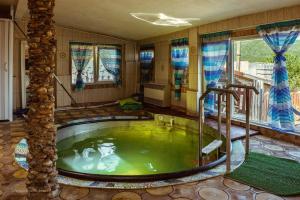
(13, 178)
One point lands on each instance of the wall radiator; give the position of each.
(157, 94)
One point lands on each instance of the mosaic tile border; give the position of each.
(237, 158)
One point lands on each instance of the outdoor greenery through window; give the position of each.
(253, 65)
(103, 66)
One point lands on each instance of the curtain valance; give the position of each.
(287, 25)
(215, 37)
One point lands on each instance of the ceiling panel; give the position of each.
(113, 16)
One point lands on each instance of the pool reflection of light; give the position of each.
(108, 160)
(86, 152)
(77, 156)
(151, 168)
(105, 160)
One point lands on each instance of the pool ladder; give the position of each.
(216, 144)
(248, 89)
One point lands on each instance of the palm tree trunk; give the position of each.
(41, 183)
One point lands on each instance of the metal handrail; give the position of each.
(220, 92)
(248, 88)
(243, 86)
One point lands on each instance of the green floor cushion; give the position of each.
(130, 104)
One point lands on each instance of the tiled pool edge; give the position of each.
(237, 158)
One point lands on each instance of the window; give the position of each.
(82, 61)
(147, 64)
(88, 73)
(293, 67)
(179, 63)
(109, 63)
(95, 63)
(253, 65)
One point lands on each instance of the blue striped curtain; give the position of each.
(146, 64)
(180, 63)
(81, 55)
(281, 114)
(111, 59)
(215, 48)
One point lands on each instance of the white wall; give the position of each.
(6, 51)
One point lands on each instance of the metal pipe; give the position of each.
(60, 83)
(219, 116)
(247, 120)
(220, 91)
(243, 86)
(200, 130)
(228, 136)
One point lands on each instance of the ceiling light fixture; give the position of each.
(161, 19)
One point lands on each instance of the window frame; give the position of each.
(97, 83)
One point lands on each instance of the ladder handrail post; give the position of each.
(200, 130)
(247, 120)
(228, 135)
(219, 116)
(247, 88)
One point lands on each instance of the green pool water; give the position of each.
(143, 148)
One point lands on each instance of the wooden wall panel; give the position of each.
(252, 20)
(64, 37)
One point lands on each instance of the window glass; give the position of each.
(87, 74)
(109, 63)
(253, 65)
(146, 65)
(293, 67)
(106, 64)
(82, 61)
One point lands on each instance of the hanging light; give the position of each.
(162, 19)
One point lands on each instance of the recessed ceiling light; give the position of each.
(161, 19)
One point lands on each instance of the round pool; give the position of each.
(132, 149)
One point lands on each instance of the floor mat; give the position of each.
(275, 175)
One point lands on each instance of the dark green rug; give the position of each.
(275, 175)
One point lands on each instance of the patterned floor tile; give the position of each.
(213, 194)
(160, 191)
(70, 193)
(126, 196)
(267, 196)
(235, 185)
